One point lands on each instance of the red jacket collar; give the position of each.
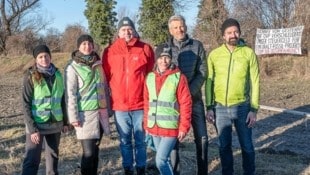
(122, 41)
(167, 72)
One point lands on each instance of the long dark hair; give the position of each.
(35, 74)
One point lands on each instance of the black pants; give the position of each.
(33, 154)
(90, 157)
(201, 141)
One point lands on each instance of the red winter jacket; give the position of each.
(184, 100)
(126, 66)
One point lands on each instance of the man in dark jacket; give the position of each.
(189, 55)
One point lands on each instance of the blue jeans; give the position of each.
(225, 117)
(128, 124)
(164, 146)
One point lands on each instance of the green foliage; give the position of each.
(101, 20)
(153, 23)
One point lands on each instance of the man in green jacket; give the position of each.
(232, 95)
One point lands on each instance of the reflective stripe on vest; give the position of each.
(164, 108)
(47, 104)
(92, 95)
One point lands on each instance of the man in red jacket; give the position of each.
(126, 63)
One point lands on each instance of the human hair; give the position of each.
(176, 18)
(35, 74)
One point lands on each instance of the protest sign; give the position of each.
(278, 41)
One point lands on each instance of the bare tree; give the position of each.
(18, 15)
(70, 35)
(272, 14)
(301, 16)
(53, 39)
(210, 17)
(22, 43)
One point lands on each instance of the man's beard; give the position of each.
(233, 41)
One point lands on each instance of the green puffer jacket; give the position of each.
(233, 77)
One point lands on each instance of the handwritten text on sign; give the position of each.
(285, 40)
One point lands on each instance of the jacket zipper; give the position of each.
(127, 77)
(228, 78)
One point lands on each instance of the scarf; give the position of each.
(89, 60)
(46, 70)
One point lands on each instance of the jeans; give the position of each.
(225, 117)
(164, 146)
(201, 141)
(90, 157)
(128, 124)
(33, 154)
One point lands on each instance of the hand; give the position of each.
(181, 136)
(210, 116)
(76, 124)
(35, 137)
(251, 119)
(65, 129)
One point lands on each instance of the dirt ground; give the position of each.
(274, 133)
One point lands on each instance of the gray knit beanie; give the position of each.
(126, 21)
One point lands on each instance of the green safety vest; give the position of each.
(92, 95)
(45, 103)
(164, 108)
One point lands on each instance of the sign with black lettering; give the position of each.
(272, 41)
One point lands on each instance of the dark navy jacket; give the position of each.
(190, 57)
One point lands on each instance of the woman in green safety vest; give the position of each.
(167, 107)
(87, 101)
(44, 112)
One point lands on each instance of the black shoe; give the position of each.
(151, 169)
(140, 170)
(128, 171)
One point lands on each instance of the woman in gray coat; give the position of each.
(86, 99)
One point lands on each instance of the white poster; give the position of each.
(272, 41)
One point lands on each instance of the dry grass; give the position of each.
(12, 149)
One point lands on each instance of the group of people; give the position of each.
(158, 93)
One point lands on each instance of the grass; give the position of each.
(12, 149)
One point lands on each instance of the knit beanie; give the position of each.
(126, 21)
(39, 49)
(83, 38)
(163, 50)
(228, 23)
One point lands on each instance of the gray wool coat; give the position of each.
(90, 128)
